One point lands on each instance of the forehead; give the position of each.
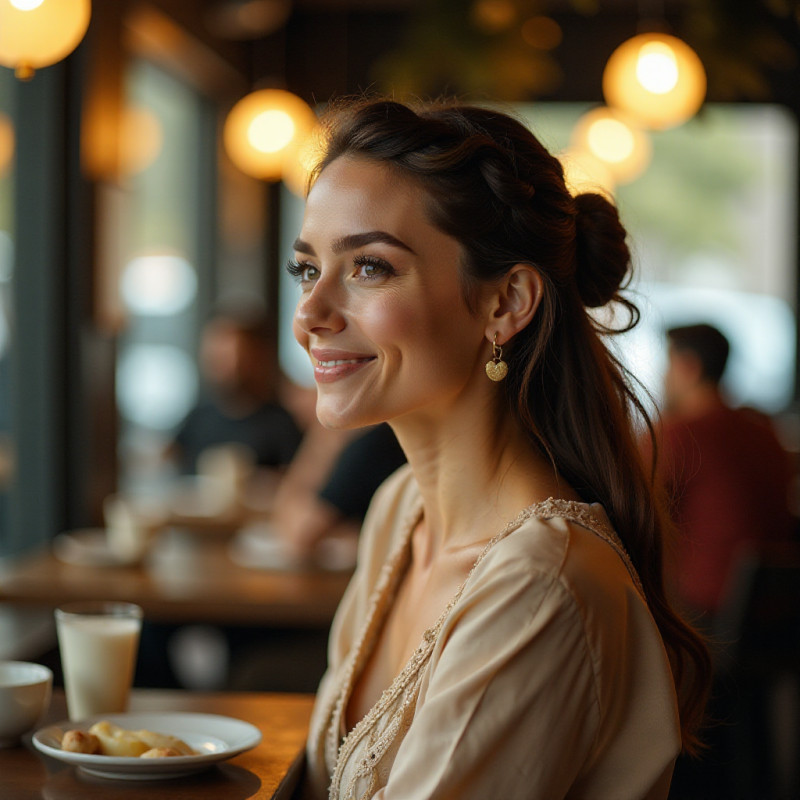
(360, 193)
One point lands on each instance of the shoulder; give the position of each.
(572, 547)
(554, 583)
(558, 566)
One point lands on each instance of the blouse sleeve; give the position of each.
(510, 709)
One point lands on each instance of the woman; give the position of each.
(506, 633)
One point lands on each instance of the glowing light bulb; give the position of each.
(35, 34)
(656, 68)
(271, 131)
(26, 5)
(610, 140)
(655, 78)
(615, 140)
(265, 130)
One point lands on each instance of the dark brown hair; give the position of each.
(501, 194)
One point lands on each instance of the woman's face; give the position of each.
(381, 311)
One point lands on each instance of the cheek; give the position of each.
(432, 330)
(393, 322)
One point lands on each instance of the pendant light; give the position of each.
(37, 33)
(657, 79)
(265, 133)
(615, 139)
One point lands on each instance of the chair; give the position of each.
(758, 632)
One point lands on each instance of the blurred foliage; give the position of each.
(479, 47)
(470, 47)
(743, 43)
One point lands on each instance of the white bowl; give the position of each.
(24, 698)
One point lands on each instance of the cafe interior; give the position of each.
(153, 162)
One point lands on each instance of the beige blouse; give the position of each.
(544, 678)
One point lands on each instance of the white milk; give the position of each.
(98, 655)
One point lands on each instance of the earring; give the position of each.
(496, 369)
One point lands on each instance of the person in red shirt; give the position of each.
(725, 471)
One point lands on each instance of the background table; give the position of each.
(270, 770)
(198, 584)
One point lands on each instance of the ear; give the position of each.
(514, 302)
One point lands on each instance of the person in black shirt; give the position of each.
(237, 361)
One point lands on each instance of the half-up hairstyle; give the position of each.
(494, 188)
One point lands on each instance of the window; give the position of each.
(162, 272)
(713, 228)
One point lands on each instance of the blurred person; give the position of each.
(318, 510)
(506, 632)
(330, 484)
(726, 473)
(240, 405)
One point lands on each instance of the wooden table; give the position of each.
(196, 582)
(270, 770)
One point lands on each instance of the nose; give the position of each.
(319, 310)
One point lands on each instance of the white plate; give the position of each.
(215, 737)
(257, 546)
(87, 547)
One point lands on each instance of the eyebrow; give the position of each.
(354, 241)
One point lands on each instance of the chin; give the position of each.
(345, 420)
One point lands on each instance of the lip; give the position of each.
(333, 365)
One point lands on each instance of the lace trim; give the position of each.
(579, 513)
(402, 693)
(385, 588)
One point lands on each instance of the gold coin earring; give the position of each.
(496, 369)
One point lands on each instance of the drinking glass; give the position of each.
(98, 642)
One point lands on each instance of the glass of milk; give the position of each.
(98, 642)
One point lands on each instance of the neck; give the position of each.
(476, 470)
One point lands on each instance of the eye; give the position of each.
(302, 271)
(372, 267)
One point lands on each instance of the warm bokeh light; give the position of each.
(26, 5)
(657, 68)
(543, 33)
(7, 143)
(265, 131)
(585, 173)
(142, 138)
(492, 16)
(35, 35)
(271, 131)
(297, 170)
(657, 79)
(615, 140)
(247, 19)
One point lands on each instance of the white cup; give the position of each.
(128, 529)
(98, 642)
(24, 697)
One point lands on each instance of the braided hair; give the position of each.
(492, 186)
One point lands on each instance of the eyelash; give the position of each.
(297, 268)
(373, 261)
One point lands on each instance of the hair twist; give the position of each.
(602, 256)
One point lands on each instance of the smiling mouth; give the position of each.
(333, 369)
(341, 361)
